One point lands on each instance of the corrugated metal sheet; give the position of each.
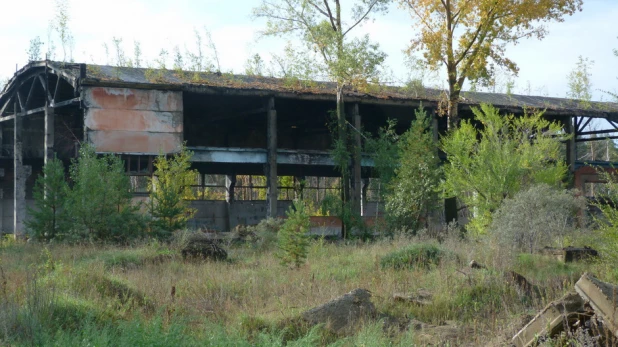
(124, 120)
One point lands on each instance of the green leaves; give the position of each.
(49, 218)
(292, 237)
(170, 188)
(100, 198)
(495, 159)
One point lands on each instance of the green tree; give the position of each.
(413, 191)
(100, 199)
(49, 219)
(468, 37)
(580, 85)
(292, 239)
(349, 62)
(498, 158)
(170, 190)
(34, 50)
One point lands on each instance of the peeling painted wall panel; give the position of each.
(135, 142)
(133, 99)
(124, 120)
(134, 120)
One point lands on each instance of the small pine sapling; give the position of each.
(293, 240)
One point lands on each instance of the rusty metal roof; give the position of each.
(226, 83)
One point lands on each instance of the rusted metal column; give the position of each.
(271, 164)
(356, 193)
(19, 179)
(49, 134)
(230, 184)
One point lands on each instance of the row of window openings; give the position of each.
(249, 187)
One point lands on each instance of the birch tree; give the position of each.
(469, 37)
(320, 25)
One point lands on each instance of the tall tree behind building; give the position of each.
(469, 38)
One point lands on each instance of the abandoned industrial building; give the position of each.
(253, 127)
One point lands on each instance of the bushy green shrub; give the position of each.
(538, 216)
(420, 255)
(292, 238)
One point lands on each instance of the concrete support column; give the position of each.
(49, 134)
(271, 164)
(19, 179)
(230, 183)
(363, 200)
(356, 158)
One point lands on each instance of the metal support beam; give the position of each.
(49, 134)
(271, 164)
(230, 183)
(19, 180)
(356, 176)
(364, 186)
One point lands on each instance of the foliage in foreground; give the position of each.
(170, 188)
(49, 218)
(97, 206)
(292, 237)
(507, 154)
(414, 189)
(420, 255)
(607, 222)
(100, 199)
(538, 216)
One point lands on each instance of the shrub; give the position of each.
(292, 238)
(539, 215)
(49, 219)
(420, 255)
(266, 232)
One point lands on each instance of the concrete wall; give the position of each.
(121, 120)
(212, 214)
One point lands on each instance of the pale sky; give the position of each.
(158, 24)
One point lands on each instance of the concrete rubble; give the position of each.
(592, 306)
(344, 313)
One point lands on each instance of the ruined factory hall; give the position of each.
(258, 142)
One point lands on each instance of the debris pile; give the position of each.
(593, 307)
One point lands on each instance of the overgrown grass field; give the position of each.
(147, 295)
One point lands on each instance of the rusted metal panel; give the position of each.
(132, 99)
(134, 120)
(134, 142)
(123, 120)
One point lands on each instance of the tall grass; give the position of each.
(147, 295)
